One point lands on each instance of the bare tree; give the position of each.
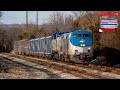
(68, 21)
(79, 14)
(57, 19)
(60, 22)
(86, 19)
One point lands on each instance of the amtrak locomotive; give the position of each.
(74, 46)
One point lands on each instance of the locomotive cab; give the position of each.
(81, 44)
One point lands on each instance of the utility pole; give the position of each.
(0, 14)
(37, 19)
(27, 20)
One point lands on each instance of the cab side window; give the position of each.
(86, 35)
(77, 35)
(54, 36)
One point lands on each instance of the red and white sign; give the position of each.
(109, 26)
(107, 30)
(108, 14)
(108, 22)
(115, 21)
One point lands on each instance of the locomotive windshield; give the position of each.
(86, 35)
(77, 35)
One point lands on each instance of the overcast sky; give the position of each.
(19, 17)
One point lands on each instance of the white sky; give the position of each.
(19, 17)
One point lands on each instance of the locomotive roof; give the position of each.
(60, 33)
(81, 31)
(40, 38)
(21, 40)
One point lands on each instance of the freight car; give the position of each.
(68, 46)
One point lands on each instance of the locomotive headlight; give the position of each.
(82, 45)
(89, 48)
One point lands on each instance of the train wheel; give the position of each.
(56, 56)
(70, 58)
(81, 57)
(62, 58)
(66, 59)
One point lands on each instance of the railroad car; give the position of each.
(21, 47)
(48, 47)
(33, 47)
(40, 47)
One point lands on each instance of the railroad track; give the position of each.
(84, 71)
(21, 69)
